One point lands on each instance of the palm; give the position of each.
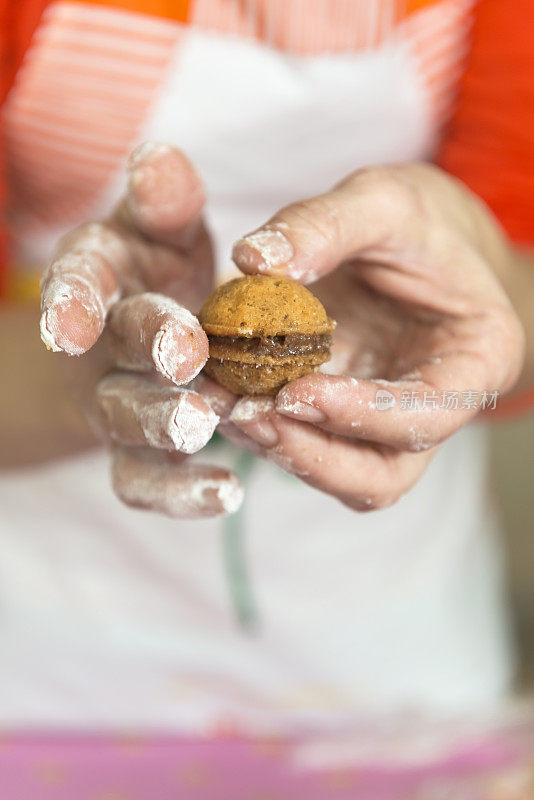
(378, 336)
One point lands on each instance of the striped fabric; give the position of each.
(85, 87)
(93, 70)
(438, 37)
(302, 27)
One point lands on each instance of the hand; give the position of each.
(404, 258)
(117, 294)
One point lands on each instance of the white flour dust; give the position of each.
(251, 408)
(272, 245)
(182, 492)
(140, 412)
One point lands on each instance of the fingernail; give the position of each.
(166, 352)
(72, 316)
(47, 332)
(263, 251)
(262, 432)
(141, 175)
(76, 296)
(192, 424)
(230, 494)
(177, 354)
(250, 416)
(144, 150)
(299, 409)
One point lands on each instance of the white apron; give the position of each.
(113, 617)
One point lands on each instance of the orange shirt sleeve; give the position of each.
(489, 143)
(18, 21)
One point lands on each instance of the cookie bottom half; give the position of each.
(250, 379)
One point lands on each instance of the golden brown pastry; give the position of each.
(264, 331)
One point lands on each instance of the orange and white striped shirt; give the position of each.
(87, 82)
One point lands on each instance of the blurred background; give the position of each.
(513, 469)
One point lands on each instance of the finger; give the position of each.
(412, 414)
(138, 264)
(251, 414)
(139, 412)
(360, 475)
(219, 399)
(222, 402)
(165, 196)
(98, 262)
(92, 266)
(151, 330)
(240, 439)
(309, 239)
(147, 480)
(77, 290)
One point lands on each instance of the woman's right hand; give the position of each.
(117, 295)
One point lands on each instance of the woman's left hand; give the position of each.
(406, 260)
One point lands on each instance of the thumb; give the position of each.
(308, 239)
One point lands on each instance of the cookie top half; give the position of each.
(262, 305)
